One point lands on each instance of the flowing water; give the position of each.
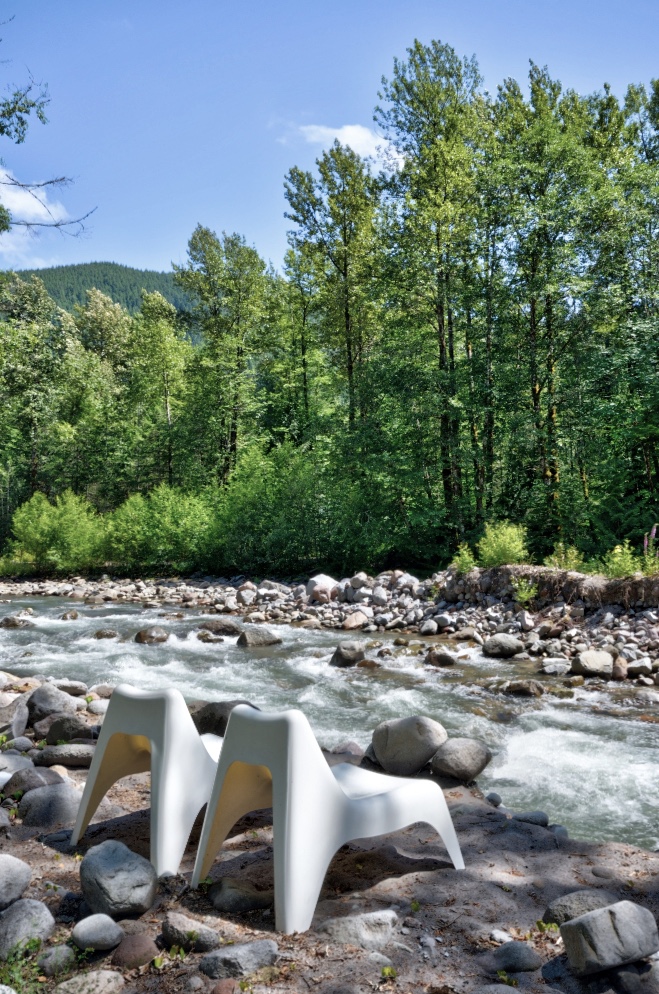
(591, 762)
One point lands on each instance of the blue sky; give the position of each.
(167, 115)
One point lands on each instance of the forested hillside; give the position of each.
(68, 285)
(469, 335)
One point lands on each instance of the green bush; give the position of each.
(66, 535)
(621, 561)
(464, 559)
(503, 544)
(524, 591)
(168, 528)
(565, 557)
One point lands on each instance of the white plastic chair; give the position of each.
(274, 759)
(153, 730)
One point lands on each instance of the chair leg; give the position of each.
(244, 788)
(299, 877)
(121, 756)
(439, 816)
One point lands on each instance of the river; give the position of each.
(591, 761)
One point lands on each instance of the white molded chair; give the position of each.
(274, 759)
(153, 730)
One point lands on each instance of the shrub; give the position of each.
(464, 559)
(66, 535)
(565, 557)
(503, 544)
(621, 561)
(524, 590)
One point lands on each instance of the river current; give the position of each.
(591, 761)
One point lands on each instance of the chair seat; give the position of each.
(356, 782)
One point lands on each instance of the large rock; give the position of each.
(516, 957)
(106, 633)
(47, 700)
(15, 875)
(134, 951)
(191, 935)
(67, 727)
(253, 637)
(11, 763)
(94, 982)
(116, 881)
(24, 920)
(30, 779)
(12, 621)
(152, 635)
(372, 930)
(55, 961)
(403, 746)
(76, 688)
(14, 718)
(593, 662)
(97, 932)
(348, 653)
(502, 646)
(608, 937)
(239, 960)
(463, 759)
(74, 754)
(221, 626)
(237, 896)
(579, 902)
(214, 717)
(440, 657)
(322, 588)
(45, 807)
(355, 620)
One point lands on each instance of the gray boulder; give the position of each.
(428, 627)
(45, 807)
(502, 646)
(11, 621)
(403, 746)
(348, 653)
(443, 620)
(106, 633)
(593, 662)
(76, 688)
(178, 930)
(55, 961)
(24, 920)
(30, 779)
(607, 937)
(97, 932)
(152, 635)
(11, 763)
(47, 700)
(254, 637)
(239, 960)
(67, 727)
(94, 982)
(214, 717)
(15, 875)
(116, 881)
(516, 957)
(463, 759)
(555, 667)
(440, 657)
(237, 896)
(75, 755)
(221, 626)
(372, 930)
(579, 902)
(14, 718)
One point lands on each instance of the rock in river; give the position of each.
(462, 759)
(152, 635)
(348, 653)
(593, 662)
(502, 646)
(253, 637)
(403, 746)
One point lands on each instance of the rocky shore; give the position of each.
(533, 908)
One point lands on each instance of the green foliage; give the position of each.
(565, 557)
(503, 544)
(621, 561)
(524, 590)
(389, 972)
(505, 979)
(66, 535)
(19, 971)
(464, 559)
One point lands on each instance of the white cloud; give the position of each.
(361, 140)
(18, 244)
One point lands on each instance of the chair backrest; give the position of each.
(282, 741)
(157, 715)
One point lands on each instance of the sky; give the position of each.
(168, 115)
